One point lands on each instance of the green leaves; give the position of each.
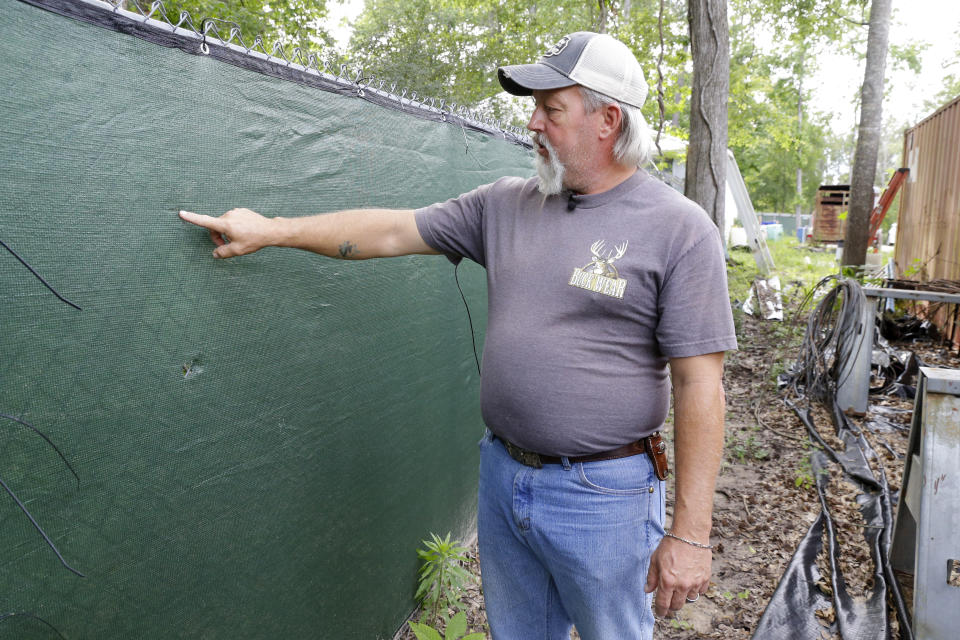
(292, 22)
(456, 630)
(424, 632)
(456, 627)
(442, 576)
(451, 48)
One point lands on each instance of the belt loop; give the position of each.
(566, 463)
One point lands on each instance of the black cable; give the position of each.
(830, 345)
(473, 336)
(830, 342)
(49, 442)
(7, 616)
(45, 283)
(39, 528)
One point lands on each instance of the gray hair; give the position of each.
(634, 146)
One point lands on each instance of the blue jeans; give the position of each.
(567, 544)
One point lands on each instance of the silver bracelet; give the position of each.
(690, 542)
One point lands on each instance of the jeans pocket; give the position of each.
(622, 476)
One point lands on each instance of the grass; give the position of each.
(799, 267)
(795, 264)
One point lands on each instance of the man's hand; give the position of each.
(236, 233)
(679, 573)
(347, 235)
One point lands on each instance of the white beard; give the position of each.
(549, 169)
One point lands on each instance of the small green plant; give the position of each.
(681, 624)
(852, 271)
(748, 449)
(442, 577)
(456, 630)
(803, 474)
(915, 267)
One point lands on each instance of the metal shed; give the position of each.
(928, 233)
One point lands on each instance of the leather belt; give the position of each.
(653, 445)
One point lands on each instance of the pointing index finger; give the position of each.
(207, 222)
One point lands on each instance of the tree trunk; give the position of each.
(602, 25)
(707, 150)
(864, 172)
(798, 206)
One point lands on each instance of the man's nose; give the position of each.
(536, 121)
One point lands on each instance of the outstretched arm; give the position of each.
(680, 571)
(351, 235)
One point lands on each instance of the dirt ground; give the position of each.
(766, 499)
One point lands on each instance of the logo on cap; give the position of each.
(557, 48)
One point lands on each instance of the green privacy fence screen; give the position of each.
(261, 443)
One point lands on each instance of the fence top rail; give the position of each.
(909, 294)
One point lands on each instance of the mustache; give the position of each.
(549, 169)
(540, 142)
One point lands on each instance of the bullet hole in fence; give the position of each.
(192, 368)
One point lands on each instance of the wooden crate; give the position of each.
(832, 203)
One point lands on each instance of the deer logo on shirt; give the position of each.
(600, 275)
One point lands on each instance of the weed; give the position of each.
(442, 577)
(740, 275)
(676, 623)
(915, 267)
(803, 474)
(456, 630)
(748, 449)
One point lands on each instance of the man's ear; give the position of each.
(612, 119)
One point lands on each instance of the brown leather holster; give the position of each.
(656, 449)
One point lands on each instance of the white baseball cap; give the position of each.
(593, 60)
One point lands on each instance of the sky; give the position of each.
(839, 77)
(340, 14)
(932, 21)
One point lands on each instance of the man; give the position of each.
(598, 277)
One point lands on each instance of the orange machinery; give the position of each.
(886, 198)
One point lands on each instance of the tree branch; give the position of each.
(850, 20)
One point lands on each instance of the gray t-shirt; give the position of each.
(586, 305)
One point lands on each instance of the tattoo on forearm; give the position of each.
(347, 249)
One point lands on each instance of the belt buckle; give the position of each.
(528, 458)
